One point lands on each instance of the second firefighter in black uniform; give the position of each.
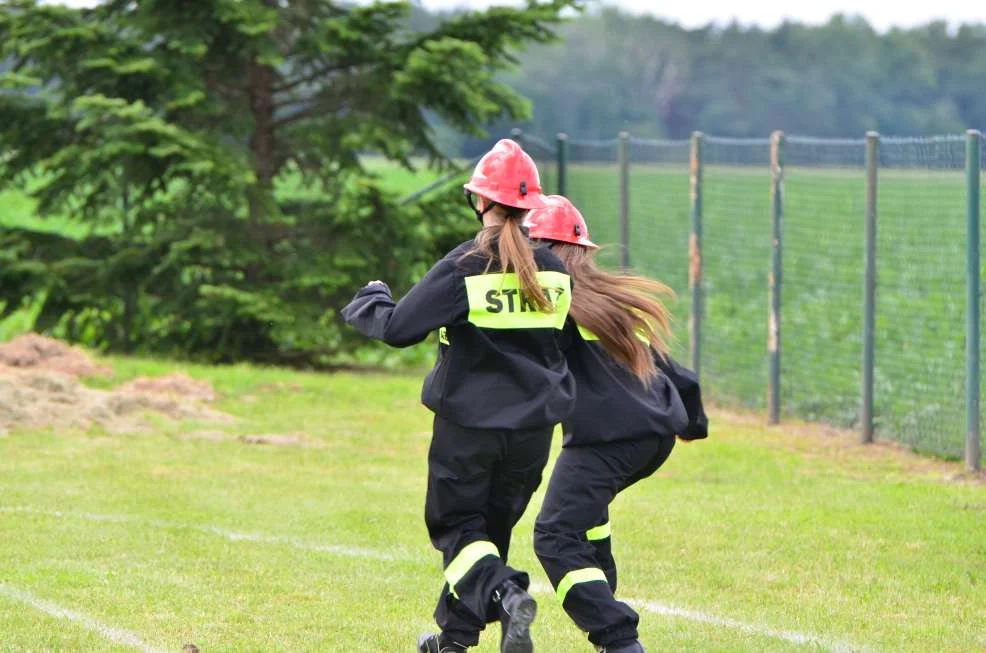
(633, 399)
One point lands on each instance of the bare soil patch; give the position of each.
(35, 352)
(40, 387)
(175, 384)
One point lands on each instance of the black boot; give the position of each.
(517, 612)
(432, 643)
(632, 647)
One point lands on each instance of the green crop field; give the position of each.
(18, 209)
(759, 540)
(920, 334)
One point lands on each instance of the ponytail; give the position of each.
(514, 253)
(621, 310)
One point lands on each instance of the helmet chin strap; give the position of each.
(472, 204)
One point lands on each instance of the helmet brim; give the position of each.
(527, 202)
(578, 242)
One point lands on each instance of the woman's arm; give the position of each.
(433, 302)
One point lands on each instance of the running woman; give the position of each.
(633, 399)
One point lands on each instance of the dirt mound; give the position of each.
(175, 384)
(279, 439)
(39, 387)
(270, 439)
(32, 398)
(34, 352)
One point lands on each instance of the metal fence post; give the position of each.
(695, 254)
(625, 199)
(562, 147)
(973, 148)
(774, 316)
(869, 283)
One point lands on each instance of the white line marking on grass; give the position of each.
(801, 639)
(335, 549)
(665, 610)
(233, 536)
(115, 635)
(751, 629)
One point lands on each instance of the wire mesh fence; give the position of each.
(921, 259)
(823, 279)
(735, 258)
(921, 392)
(593, 180)
(659, 224)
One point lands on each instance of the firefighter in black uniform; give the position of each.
(633, 399)
(499, 386)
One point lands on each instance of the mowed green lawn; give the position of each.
(755, 540)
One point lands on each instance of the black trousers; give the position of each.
(572, 534)
(479, 484)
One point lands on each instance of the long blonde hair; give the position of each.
(618, 308)
(514, 253)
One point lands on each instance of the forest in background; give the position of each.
(614, 71)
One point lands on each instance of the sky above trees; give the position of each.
(882, 14)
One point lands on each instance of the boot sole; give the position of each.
(518, 636)
(422, 646)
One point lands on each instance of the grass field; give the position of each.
(756, 540)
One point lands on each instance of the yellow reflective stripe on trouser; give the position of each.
(468, 556)
(496, 302)
(573, 578)
(599, 532)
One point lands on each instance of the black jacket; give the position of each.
(500, 363)
(686, 382)
(613, 404)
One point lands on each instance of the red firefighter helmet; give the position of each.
(507, 175)
(559, 220)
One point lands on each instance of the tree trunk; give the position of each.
(260, 87)
(130, 295)
(129, 292)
